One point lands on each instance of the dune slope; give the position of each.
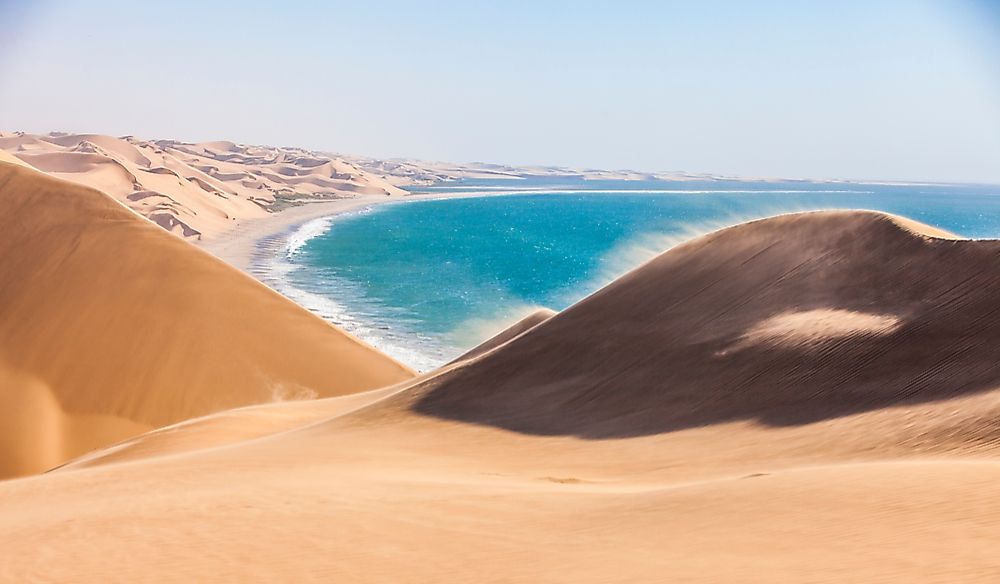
(112, 327)
(809, 398)
(785, 321)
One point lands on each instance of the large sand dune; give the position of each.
(809, 398)
(788, 321)
(112, 327)
(194, 190)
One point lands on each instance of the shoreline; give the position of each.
(247, 241)
(253, 239)
(257, 246)
(250, 240)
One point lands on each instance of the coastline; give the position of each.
(258, 247)
(256, 238)
(246, 242)
(259, 238)
(262, 248)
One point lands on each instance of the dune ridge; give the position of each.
(810, 397)
(113, 327)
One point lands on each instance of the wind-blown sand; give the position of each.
(807, 398)
(520, 327)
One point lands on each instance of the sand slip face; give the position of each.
(854, 439)
(112, 327)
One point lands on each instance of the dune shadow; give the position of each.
(779, 332)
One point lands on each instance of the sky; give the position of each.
(876, 89)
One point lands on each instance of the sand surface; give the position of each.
(808, 398)
(112, 327)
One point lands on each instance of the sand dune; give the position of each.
(196, 191)
(112, 327)
(787, 321)
(228, 427)
(808, 398)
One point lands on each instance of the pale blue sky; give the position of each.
(849, 89)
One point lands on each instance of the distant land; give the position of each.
(166, 180)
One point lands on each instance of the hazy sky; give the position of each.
(906, 89)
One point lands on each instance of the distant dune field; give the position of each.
(194, 190)
(806, 398)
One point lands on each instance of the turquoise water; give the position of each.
(425, 280)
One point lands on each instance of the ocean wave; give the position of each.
(317, 227)
(305, 232)
(377, 332)
(364, 320)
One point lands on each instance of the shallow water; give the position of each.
(425, 280)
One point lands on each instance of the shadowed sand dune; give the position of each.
(112, 327)
(809, 398)
(785, 321)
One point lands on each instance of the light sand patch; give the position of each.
(811, 328)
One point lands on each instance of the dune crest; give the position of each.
(106, 316)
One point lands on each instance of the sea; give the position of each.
(426, 279)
